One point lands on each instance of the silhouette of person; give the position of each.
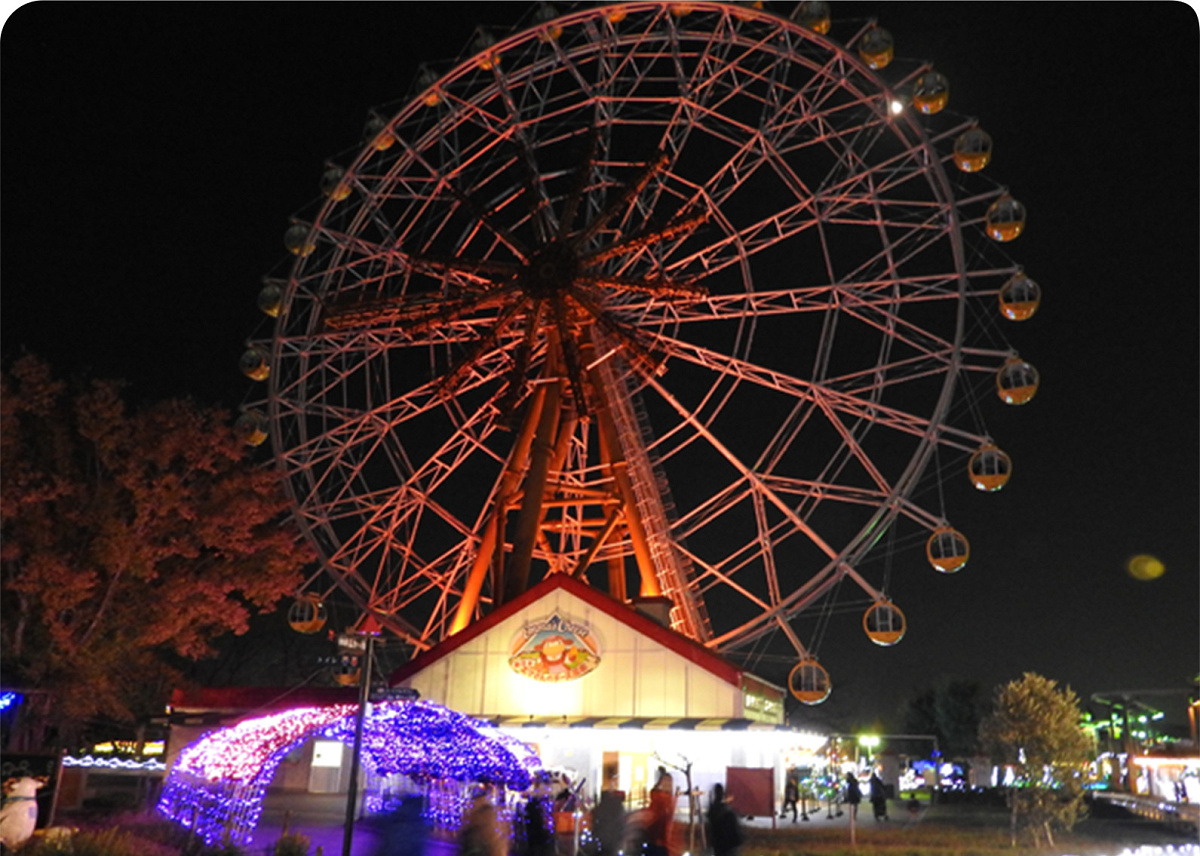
(725, 832)
(482, 835)
(608, 823)
(878, 796)
(791, 794)
(403, 831)
(853, 794)
(539, 840)
(662, 815)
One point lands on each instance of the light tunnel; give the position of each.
(217, 785)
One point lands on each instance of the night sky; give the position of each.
(152, 154)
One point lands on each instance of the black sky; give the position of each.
(151, 155)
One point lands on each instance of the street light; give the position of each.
(870, 742)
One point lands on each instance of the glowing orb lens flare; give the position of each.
(1145, 567)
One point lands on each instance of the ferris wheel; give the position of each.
(681, 299)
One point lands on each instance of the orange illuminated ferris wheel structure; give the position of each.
(681, 299)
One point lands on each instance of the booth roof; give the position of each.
(681, 645)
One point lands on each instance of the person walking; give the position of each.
(724, 830)
(402, 831)
(853, 794)
(661, 820)
(539, 839)
(791, 795)
(482, 834)
(878, 796)
(608, 823)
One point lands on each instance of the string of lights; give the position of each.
(91, 761)
(217, 785)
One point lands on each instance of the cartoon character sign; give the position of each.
(554, 649)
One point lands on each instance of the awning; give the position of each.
(645, 723)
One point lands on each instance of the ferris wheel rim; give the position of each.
(890, 506)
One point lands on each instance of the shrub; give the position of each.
(291, 844)
(105, 842)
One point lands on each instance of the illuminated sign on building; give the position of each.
(761, 701)
(554, 649)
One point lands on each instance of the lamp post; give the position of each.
(367, 631)
(870, 742)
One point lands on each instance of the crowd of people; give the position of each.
(544, 822)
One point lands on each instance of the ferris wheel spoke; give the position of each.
(743, 371)
(826, 491)
(742, 572)
(679, 227)
(660, 287)
(580, 175)
(883, 316)
(739, 244)
(851, 444)
(695, 80)
(817, 587)
(869, 384)
(638, 347)
(805, 493)
(348, 471)
(380, 338)
(711, 508)
(619, 201)
(482, 215)
(745, 471)
(406, 314)
(475, 352)
(730, 585)
(540, 211)
(869, 293)
(817, 133)
(484, 273)
(358, 253)
(910, 247)
(379, 522)
(377, 423)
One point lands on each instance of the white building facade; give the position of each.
(605, 694)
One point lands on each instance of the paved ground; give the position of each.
(321, 818)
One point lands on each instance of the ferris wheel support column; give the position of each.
(491, 537)
(516, 573)
(650, 584)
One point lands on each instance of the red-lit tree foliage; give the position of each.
(130, 536)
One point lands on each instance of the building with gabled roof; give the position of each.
(601, 691)
(606, 693)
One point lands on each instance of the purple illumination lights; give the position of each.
(217, 785)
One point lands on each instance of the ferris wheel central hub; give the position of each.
(552, 270)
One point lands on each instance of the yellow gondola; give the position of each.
(989, 468)
(1016, 381)
(884, 623)
(947, 550)
(931, 92)
(1019, 297)
(809, 682)
(307, 614)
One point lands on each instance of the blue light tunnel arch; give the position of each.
(217, 785)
